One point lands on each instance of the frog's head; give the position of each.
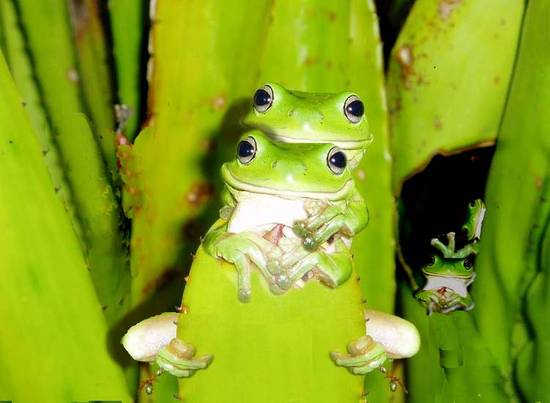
(308, 170)
(302, 117)
(458, 268)
(474, 220)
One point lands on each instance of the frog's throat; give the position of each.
(290, 137)
(236, 184)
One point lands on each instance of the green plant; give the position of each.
(99, 222)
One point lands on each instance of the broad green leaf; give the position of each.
(514, 263)
(95, 203)
(53, 344)
(448, 78)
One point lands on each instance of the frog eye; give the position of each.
(336, 160)
(263, 98)
(246, 150)
(468, 264)
(354, 109)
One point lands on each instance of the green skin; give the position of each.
(453, 268)
(336, 212)
(303, 117)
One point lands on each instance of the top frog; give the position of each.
(305, 117)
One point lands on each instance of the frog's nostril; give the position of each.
(274, 164)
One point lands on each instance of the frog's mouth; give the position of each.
(344, 145)
(236, 184)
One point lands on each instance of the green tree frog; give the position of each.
(272, 292)
(291, 210)
(451, 272)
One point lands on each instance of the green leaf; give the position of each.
(448, 78)
(95, 75)
(515, 247)
(96, 206)
(53, 330)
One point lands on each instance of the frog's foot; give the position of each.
(178, 359)
(333, 269)
(154, 340)
(455, 302)
(444, 300)
(448, 251)
(318, 229)
(243, 250)
(364, 355)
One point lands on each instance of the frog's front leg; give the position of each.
(344, 216)
(364, 355)
(154, 340)
(333, 268)
(177, 358)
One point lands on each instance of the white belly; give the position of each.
(260, 211)
(458, 285)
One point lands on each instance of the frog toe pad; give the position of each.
(178, 359)
(364, 355)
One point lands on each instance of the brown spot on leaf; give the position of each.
(200, 193)
(437, 123)
(310, 61)
(219, 102)
(182, 309)
(332, 16)
(72, 75)
(538, 182)
(446, 8)
(80, 16)
(209, 145)
(496, 80)
(405, 58)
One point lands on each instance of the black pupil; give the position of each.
(262, 97)
(355, 108)
(338, 159)
(468, 263)
(245, 149)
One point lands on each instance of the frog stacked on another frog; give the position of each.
(290, 200)
(290, 211)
